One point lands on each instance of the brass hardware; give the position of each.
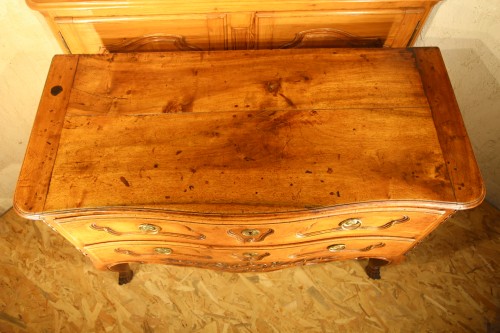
(250, 254)
(250, 235)
(149, 228)
(350, 224)
(163, 250)
(250, 232)
(336, 247)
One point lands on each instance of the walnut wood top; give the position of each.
(248, 132)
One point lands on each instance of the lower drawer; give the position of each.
(243, 259)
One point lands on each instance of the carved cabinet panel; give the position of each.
(144, 33)
(135, 26)
(313, 29)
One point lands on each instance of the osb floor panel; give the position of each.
(448, 283)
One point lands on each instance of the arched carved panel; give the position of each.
(153, 43)
(328, 37)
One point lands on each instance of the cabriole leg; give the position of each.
(125, 274)
(373, 267)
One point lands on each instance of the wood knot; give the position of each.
(56, 90)
(273, 87)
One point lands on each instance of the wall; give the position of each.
(464, 30)
(467, 32)
(26, 49)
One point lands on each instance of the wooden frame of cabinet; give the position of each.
(154, 25)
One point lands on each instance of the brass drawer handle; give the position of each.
(340, 248)
(350, 224)
(160, 250)
(250, 232)
(163, 250)
(336, 247)
(353, 224)
(149, 228)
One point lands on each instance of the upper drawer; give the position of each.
(408, 224)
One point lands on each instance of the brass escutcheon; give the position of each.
(163, 250)
(250, 232)
(350, 224)
(336, 247)
(151, 228)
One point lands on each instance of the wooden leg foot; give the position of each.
(125, 274)
(373, 268)
(125, 277)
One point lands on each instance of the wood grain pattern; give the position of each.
(277, 141)
(44, 141)
(453, 137)
(245, 81)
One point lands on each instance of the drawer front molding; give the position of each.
(157, 252)
(251, 256)
(354, 224)
(338, 248)
(155, 230)
(99, 229)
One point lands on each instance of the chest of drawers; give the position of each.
(247, 161)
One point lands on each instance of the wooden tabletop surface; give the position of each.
(248, 132)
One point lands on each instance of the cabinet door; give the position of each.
(144, 33)
(309, 29)
(240, 30)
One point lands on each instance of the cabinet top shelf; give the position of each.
(217, 5)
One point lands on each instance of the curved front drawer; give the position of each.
(409, 224)
(239, 259)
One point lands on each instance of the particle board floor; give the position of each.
(448, 283)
